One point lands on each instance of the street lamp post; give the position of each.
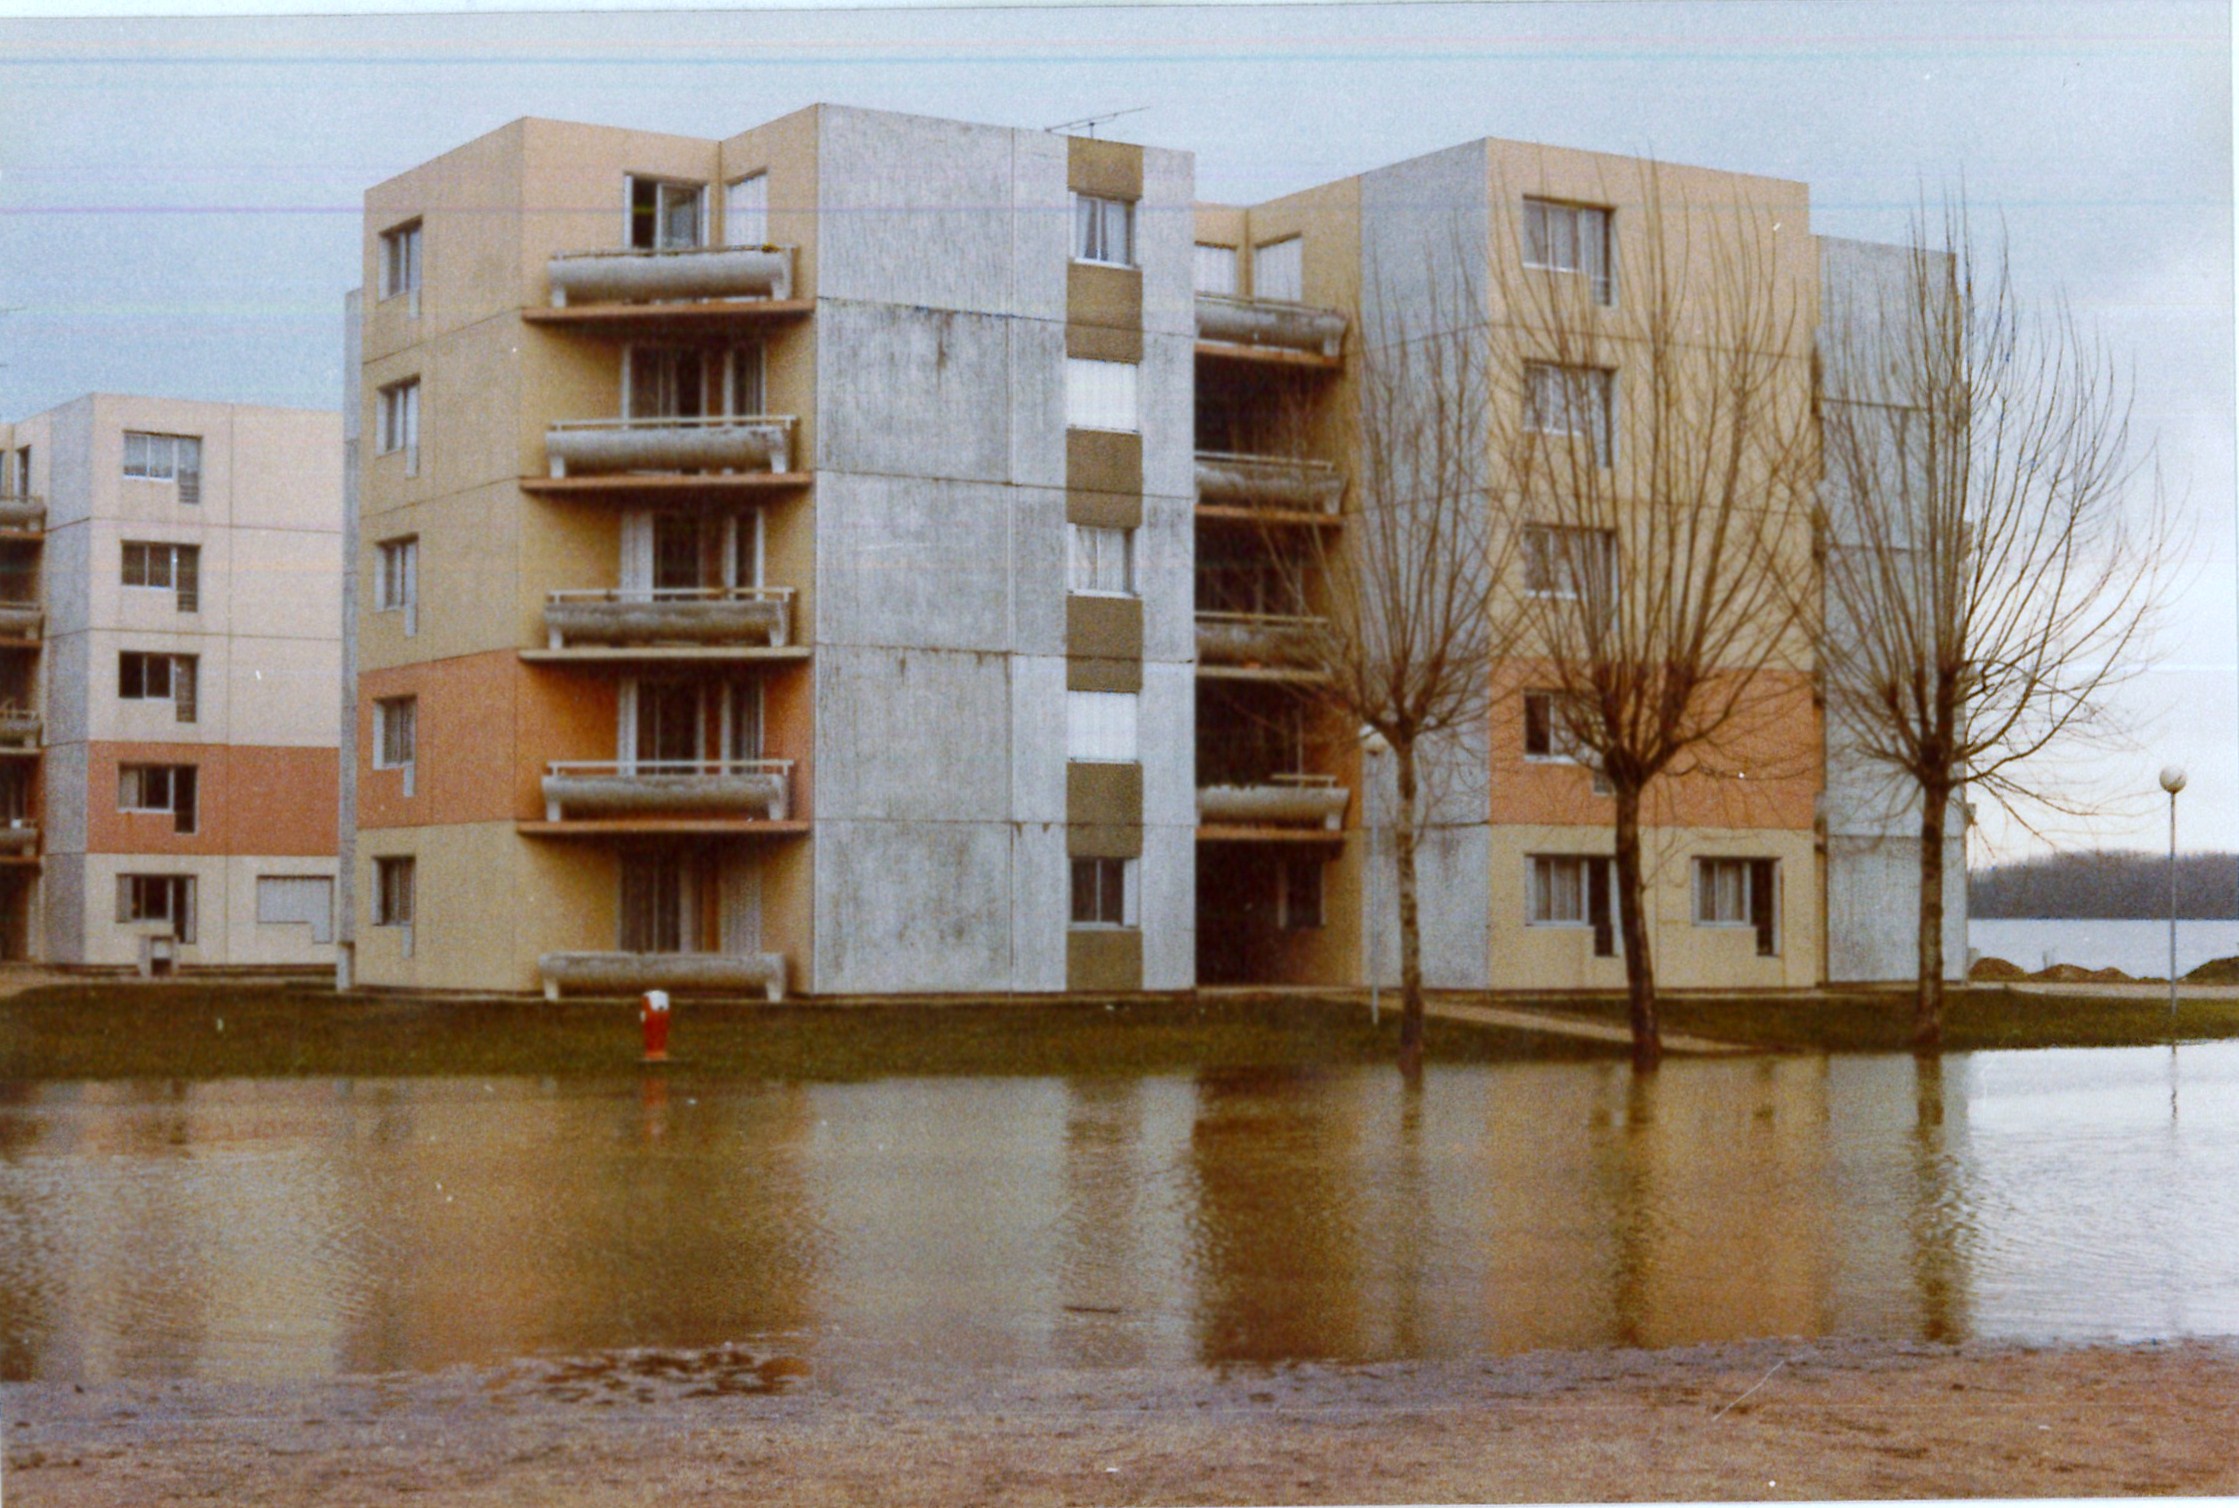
(2172, 781)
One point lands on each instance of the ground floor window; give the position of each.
(1103, 893)
(1740, 893)
(1574, 890)
(162, 898)
(306, 899)
(392, 892)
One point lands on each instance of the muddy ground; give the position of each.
(1782, 1419)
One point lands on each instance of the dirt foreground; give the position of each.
(1783, 1419)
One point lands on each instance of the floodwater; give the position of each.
(2135, 947)
(303, 1229)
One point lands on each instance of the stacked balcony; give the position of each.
(21, 621)
(610, 447)
(687, 791)
(20, 729)
(1300, 334)
(672, 276)
(630, 973)
(1258, 645)
(1314, 803)
(671, 617)
(1269, 487)
(23, 515)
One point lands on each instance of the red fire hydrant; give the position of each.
(653, 1015)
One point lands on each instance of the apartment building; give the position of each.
(839, 559)
(168, 645)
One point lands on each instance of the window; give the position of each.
(400, 422)
(746, 211)
(1103, 230)
(1298, 895)
(1570, 238)
(1740, 893)
(400, 263)
(1104, 893)
(1103, 561)
(1574, 402)
(142, 676)
(1574, 890)
(165, 788)
(1568, 562)
(161, 898)
(396, 587)
(166, 458)
(665, 216)
(1100, 395)
(300, 900)
(396, 735)
(392, 897)
(1100, 726)
(170, 568)
(1215, 269)
(15, 472)
(1279, 270)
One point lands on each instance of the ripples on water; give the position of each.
(301, 1229)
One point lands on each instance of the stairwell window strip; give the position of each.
(1101, 395)
(166, 458)
(1103, 561)
(746, 211)
(400, 264)
(1103, 230)
(1104, 893)
(1575, 238)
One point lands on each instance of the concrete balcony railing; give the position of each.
(1265, 639)
(697, 272)
(667, 788)
(610, 973)
(19, 725)
(589, 447)
(671, 615)
(1302, 800)
(1268, 482)
(21, 620)
(23, 513)
(1270, 322)
(19, 835)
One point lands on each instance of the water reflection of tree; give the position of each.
(1937, 1221)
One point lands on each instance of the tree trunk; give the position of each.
(1410, 918)
(1640, 969)
(1928, 1000)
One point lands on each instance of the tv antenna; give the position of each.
(1091, 122)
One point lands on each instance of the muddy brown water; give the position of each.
(780, 1232)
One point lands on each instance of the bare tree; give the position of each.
(1658, 442)
(1986, 583)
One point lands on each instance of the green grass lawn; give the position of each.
(190, 1031)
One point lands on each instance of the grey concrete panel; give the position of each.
(66, 576)
(1041, 897)
(1166, 578)
(69, 673)
(1873, 900)
(1453, 870)
(1038, 741)
(1039, 547)
(1864, 287)
(1037, 401)
(69, 464)
(62, 883)
(1165, 234)
(912, 735)
(1425, 224)
(1167, 744)
(1167, 876)
(64, 815)
(911, 561)
(904, 907)
(1041, 225)
(1166, 397)
(914, 211)
(912, 392)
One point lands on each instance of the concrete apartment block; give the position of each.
(842, 559)
(171, 641)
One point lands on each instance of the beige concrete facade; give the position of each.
(174, 534)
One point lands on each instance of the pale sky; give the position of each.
(178, 195)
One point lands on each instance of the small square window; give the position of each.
(1103, 230)
(1100, 727)
(1571, 238)
(1103, 893)
(1740, 893)
(1103, 561)
(1101, 395)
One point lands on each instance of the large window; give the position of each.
(165, 788)
(1573, 890)
(160, 898)
(1214, 269)
(166, 568)
(1103, 230)
(1279, 269)
(666, 215)
(400, 263)
(396, 587)
(1573, 402)
(746, 211)
(1568, 562)
(1100, 726)
(145, 676)
(1103, 561)
(1104, 893)
(166, 458)
(400, 422)
(1740, 893)
(1570, 238)
(1100, 395)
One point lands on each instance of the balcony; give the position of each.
(1271, 325)
(605, 447)
(21, 620)
(1281, 801)
(23, 515)
(678, 276)
(612, 973)
(1258, 642)
(1260, 483)
(19, 836)
(742, 615)
(20, 728)
(727, 789)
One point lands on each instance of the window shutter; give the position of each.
(190, 471)
(182, 687)
(187, 572)
(183, 784)
(124, 897)
(182, 914)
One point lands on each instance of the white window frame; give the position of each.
(1102, 727)
(1571, 403)
(1096, 557)
(396, 736)
(663, 187)
(1102, 395)
(1213, 269)
(1552, 559)
(1279, 269)
(1099, 220)
(1107, 870)
(400, 264)
(1542, 872)
(399, 422)
(181, 673)
(396, 586)
(166, 458)
(1560, 236)
(183, 581)
(178, 892)
(746, 210)
(136, 785)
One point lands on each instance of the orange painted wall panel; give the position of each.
(250, 799)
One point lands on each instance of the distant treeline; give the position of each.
(2116, 885)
